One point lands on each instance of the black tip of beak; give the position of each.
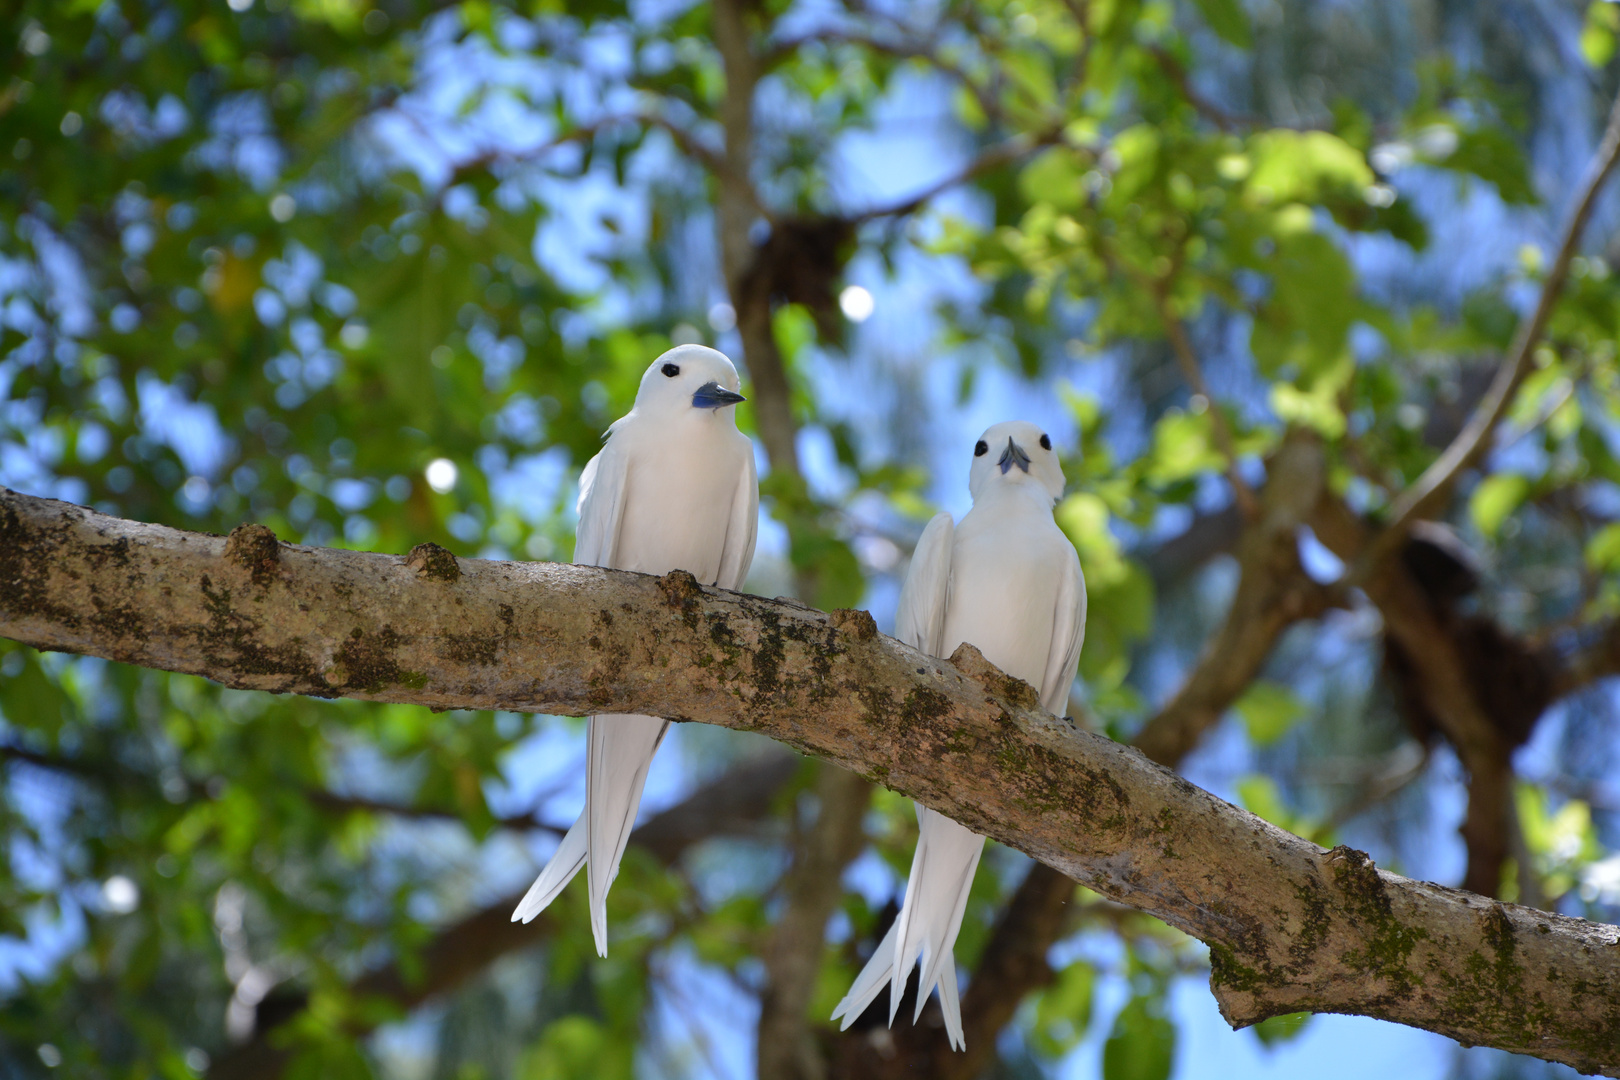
(712, 395)
(1013, 455)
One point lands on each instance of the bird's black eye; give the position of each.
(671, 370)
(1046, 442)
(981, 448)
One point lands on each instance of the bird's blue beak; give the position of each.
(711, 395)
(1013, 455)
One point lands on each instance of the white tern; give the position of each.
(674, 487)
(1007, 581)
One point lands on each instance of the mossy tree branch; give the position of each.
(1290, 927)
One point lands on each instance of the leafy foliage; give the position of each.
(270, 260)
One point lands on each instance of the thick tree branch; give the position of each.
(1208, 535)
(1424, 496)
(1290, 927)
(1443, 683)
(1273, 593)
(1596, 657)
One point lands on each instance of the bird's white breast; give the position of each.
(679, 488)
(1007, 559)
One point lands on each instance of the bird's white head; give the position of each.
(689, 377)
(1015, 452)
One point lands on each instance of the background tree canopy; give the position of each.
(374, 274)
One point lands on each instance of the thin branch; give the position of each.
(1003, 153)
(929, 52)
(331, 801)
(1193, 372)
(690, 143)
(1210, 111)
(348, 804)
(1423, 497)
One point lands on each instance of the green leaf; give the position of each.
(578, 1048)
(1053, 177)
(1493, 155)
(1268, 710)
(1603, 550)
(1142, 1044)
(1495, 499)
(794, 328)
(1305, 322)
(1280, 1029)
(1228, 19)
(1598, 34)
(1064, 1011)
(1183, 448)
(1260, 795)
(1304, 166)
(1317, 407)
(1084, 518)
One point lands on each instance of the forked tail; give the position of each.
(620, 750)
(930, 918)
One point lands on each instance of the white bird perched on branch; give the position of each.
(1008, 582)
(673, 488)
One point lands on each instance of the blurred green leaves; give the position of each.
(1268, 710)
(1063, 1012)
(255, 260)
(1142, 1044)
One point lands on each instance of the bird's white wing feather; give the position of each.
(920, 619)
(742, 530)
(620, 749)
(601, 504)
(1068, 635)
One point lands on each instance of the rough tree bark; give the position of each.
(1290, 927)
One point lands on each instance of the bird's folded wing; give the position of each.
(601, 504)
(919, 621)
(1068, 635)
(742, 529)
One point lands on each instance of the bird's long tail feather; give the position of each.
(620, 750)
(930, 918)
(869, 983)
(564, 864)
